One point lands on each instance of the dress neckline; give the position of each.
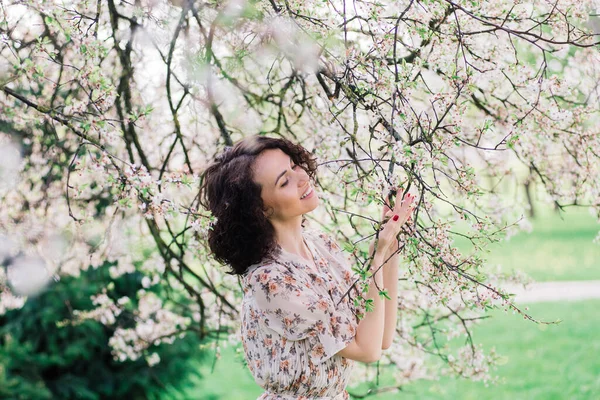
(311, 250)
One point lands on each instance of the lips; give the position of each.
(307, 193)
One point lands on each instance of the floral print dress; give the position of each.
(295, 319)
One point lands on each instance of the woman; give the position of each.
(300, 329)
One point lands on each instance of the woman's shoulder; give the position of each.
(266, 269)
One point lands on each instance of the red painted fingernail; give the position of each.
(395, 218)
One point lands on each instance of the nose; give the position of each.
(302, 177)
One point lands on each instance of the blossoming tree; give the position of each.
(110, 110)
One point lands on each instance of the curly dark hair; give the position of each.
(242, 234)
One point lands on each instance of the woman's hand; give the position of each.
(401, 213)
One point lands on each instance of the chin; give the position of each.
(315, 201)
(311, 204)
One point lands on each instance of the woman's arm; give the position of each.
(368, 343)
(390, 283)
(366, 346)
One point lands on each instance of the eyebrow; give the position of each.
(281, 174)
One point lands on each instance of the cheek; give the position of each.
(280, 199)
(268, 199)
(289, 195)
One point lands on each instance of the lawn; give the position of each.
(542, 361)
(557, 249)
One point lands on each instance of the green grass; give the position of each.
(230, 379)
(557, 249)
(542, 361)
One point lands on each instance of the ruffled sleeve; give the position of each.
(295, 309)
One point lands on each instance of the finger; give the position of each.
(411, 212)
(406, 210)
(385, 213)
(386, 210)
(399, 197)
(403, 205)
(398, 200)
(410, 208)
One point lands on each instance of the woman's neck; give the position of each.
(289, 237)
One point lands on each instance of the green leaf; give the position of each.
(384, 294)
(369, 305)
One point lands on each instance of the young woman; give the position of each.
(300, 329)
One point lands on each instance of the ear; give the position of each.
(268, 212)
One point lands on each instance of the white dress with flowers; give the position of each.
(295, 319)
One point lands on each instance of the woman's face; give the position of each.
(283, 186)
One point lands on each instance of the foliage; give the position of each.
(43, 357)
